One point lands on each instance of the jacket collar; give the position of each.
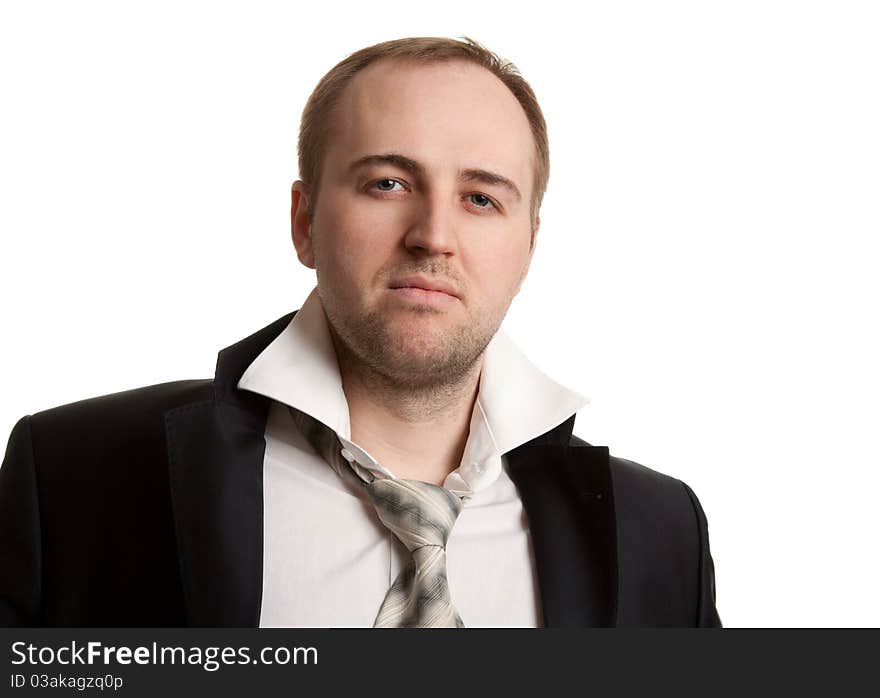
(216, 450)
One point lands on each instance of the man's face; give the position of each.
(421, 233)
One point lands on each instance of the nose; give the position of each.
(432, 229)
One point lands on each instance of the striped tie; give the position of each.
(421, 516)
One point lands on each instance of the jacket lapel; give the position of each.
(215, 452)
(568, 499)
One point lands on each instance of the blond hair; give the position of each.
(316, 116)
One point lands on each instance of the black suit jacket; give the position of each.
(145, 508)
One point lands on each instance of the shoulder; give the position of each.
(130, 419)
(648, 495)
(128, 405)
(638, 477)
(649, 485)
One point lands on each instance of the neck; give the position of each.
(417, 433)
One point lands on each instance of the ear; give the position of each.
(300, 227)
(532, 242)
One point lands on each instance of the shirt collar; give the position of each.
(515, 403)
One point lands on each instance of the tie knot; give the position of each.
(418, 513)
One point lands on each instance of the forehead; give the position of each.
(450, 114)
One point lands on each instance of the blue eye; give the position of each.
(481, 200)
(386, 184)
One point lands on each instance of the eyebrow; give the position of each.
(471, 174)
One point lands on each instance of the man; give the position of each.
(385, 456)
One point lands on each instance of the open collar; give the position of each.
(516, 401)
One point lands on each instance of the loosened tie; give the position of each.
(421, 516)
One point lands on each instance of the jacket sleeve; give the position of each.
(20, 573)
(707, 614)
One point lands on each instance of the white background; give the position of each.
(706, 270)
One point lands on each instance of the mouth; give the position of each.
(420, 290)
(421, 283)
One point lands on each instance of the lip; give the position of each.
(424, 283)
(423, 298)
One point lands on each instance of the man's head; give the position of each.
(422, 163)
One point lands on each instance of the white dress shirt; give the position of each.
(327, 559)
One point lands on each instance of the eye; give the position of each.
(386, 184)
(481, 201)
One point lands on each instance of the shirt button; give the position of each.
(348, 455)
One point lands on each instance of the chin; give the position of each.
(420, 336)
(428, 356)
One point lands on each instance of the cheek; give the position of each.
(496, 269)
(352, 241)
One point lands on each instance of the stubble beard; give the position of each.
(420, 374)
